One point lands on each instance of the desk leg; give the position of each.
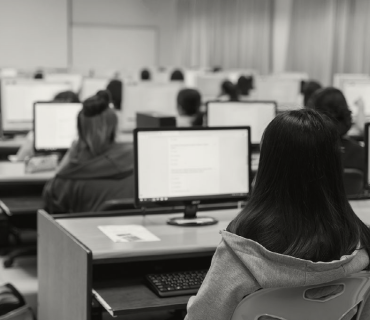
(96, 310)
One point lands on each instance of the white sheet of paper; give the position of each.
(128, 233)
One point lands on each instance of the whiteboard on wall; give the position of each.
(106, 47)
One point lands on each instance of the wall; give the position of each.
(131, 14)
(33, 33)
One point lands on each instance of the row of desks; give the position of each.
(75, 257)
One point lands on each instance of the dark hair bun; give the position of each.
(95, 105)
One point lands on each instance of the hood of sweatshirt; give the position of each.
(272, 269)
(116, 163)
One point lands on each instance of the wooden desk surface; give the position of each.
(14, 172)
(174, 240)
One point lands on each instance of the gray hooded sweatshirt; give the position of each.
(241, 266)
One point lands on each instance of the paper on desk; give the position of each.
(128, 233)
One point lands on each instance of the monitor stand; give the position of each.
(190, 218)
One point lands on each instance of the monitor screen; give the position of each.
(148, 97)
(18, 97)
(367, 155)
(284, 90)
(209, 85)
(356, 92)
(55, 125)
(255, 114)
(188, 164)
(340, 78)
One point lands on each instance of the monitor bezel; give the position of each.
(254, 145)
(60, 150)
(192, 200)
(22, 127)
(367, 159)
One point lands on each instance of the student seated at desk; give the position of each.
(297, 228)
(188, 107)
(26, 149)
(96, 168)
(332, 102)
(115, 89)
(229, 91)
(309, 88)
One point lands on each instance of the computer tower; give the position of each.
(154, 120)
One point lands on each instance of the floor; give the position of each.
(23, 275)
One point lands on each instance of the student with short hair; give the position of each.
(188, 107)
(309, 88)
(297, 229)
(96, 168)
(229, 91)
(145, 75)
(245, 85)
(177, 75)
(115, 89)
(66, 96)
(332, 102)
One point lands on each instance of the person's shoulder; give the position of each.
(348, 142)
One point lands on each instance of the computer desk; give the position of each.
(15, 173)
(10, 146)
(20, 191)
(76, 262)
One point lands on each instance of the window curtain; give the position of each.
(328, 37)
(227, 33)
(310, 46)
(352, 37)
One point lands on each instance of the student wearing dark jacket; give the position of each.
(96, 168)
(332, 102)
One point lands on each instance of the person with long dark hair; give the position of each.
(297, 228)
(332, 102)
(96, 168)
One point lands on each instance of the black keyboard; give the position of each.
(176, 283)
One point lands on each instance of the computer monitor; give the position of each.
(340, 78)
(356, 90)
(191, 166)
(255, 114)
(18, 97)
(55, 125)
(148, 97)
(73, 78)
(286, 91)
(367, 155)
(90, 86)
(209, 85)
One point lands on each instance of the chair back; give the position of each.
(353, 182)
(329, 301)
(118, 204)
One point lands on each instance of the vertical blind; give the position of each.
(232, 33)
(327, 37)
